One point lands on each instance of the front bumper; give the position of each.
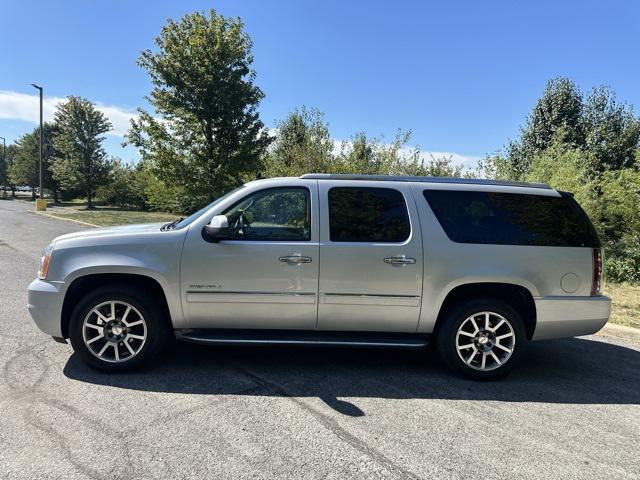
(45, 306)
(559, 317)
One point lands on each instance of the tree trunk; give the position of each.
(33, 193)
(55, 195)
(89, 202)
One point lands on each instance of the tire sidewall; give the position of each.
(446, 338)
(153, 316)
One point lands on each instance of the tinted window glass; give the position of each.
(512, 219)
(275, 214)
(367, 215)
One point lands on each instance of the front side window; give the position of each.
(185, 222)
(275, 214)
(363, 214)
(512, 218)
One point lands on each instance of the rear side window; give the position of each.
(512, 219)
(360, 214)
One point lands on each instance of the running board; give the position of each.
(295, 337)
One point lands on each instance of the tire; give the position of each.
(492, 353)
(122, 342)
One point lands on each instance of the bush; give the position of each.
(622, 261)
(124, 188)
(160, 196)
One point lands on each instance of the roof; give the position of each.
(407, 178)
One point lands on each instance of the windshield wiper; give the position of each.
(172, 225)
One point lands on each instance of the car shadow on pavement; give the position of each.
(580, 371)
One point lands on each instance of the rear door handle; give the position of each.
(400, 260)
(295, 259)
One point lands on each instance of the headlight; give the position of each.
(43, 268)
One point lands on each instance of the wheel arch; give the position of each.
(518, 296)
(81, 285)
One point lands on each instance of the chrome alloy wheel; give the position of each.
(485, 341)
(114, 331)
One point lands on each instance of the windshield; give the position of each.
(191, 218)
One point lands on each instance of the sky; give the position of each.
(462, 76)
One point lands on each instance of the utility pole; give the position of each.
(41, 205)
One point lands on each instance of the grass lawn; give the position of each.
(107, 216)
(626, 303)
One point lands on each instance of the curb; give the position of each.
(79, 222)
(611, 330)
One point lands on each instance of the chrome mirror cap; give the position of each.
(217, 229)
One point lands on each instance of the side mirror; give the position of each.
(217, 229)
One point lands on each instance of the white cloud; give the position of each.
(119, 118)
(21, 106)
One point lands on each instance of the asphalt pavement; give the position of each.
(570, 411)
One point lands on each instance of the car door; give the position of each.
(371, 257)
(265, 276)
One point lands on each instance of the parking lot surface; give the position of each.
(572, 409)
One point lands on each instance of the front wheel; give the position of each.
(482, 339)
(117, 329)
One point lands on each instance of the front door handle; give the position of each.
(400, 260)
(295, 259)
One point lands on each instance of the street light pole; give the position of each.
(4, 162)
(40, 150)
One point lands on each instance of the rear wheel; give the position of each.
(117, 329)
(482, 339)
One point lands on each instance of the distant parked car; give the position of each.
(477, 267)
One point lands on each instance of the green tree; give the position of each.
(606, 131)
(560, 107)
(25, 169)
(158, 195)
(611, 132)
(366, 155)
(207, 136)
(4, 180)
(5, 169)
(302, 145)
(441, 166)
(80, 161)
(360, 155)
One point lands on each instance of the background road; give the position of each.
(571, 410)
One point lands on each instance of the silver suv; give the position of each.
(477, 267)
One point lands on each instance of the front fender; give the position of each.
(161, 262)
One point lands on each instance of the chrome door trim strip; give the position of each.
(369, 299)
(250, 297)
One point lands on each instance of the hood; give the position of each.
(119, 230)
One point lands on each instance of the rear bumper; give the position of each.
(45, 306)
(559, 317)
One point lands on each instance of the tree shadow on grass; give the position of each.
(581, 371)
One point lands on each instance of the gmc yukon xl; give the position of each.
(479, 268)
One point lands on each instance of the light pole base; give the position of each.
(41, 204)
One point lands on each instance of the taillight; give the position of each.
(596, 283)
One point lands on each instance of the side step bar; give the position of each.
(295, 337)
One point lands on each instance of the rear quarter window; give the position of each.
(512, 218)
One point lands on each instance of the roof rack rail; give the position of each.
(408, 178)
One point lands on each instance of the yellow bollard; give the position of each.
(41, 204)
